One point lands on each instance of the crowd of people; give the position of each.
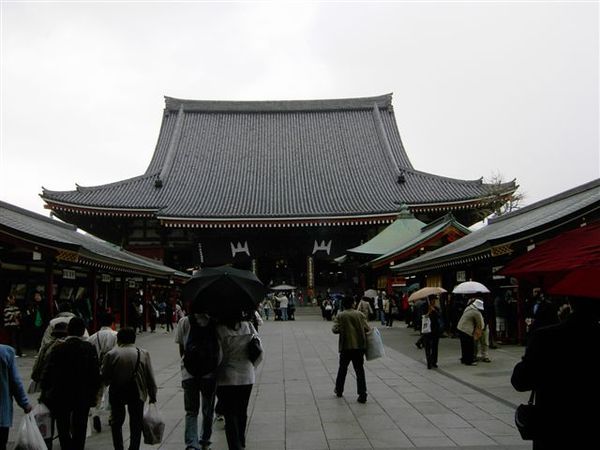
(78, 376)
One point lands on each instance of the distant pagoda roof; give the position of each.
(277, 163)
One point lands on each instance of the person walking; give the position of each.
(104, 340)
(40, 318)
(558, 367)
(391, 309)
(12, 323)
(70, 384)
(431, 339)
(127, 370)
(482, 345)
(235, 377)
(196, 391)
(58, 336)
(352, 327)
(365, 307)
(283, 306)
(169, 315)
(267, 307)
(10, 387)
(469, 329)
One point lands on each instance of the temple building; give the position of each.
(282, 187)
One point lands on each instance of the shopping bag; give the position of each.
(154, 425)
(425, 325)
(375, 347)
(104, 405)
(29, 436)
(43, 420)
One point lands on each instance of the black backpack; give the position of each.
(202, 353)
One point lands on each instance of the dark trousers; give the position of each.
(15, 339)
(72, 426)
(234, 402)
(467, 348)
(135, 408)
(431, 349)
(357, 357)
(3, 437)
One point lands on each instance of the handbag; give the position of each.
(526, 418)
(375, 348)
(254, 349)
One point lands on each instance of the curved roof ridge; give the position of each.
(101, 186)
(341, 104)
(442, 177)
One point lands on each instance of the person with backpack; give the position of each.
(201, 354)
(127, 370)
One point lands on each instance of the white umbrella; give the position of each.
(283, 287)
(371, 293)
(426, 292)
(470, 287)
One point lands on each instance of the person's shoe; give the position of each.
(434, 366)
(473, 363)
(97, 424)
(486, 360)
(337, 393)
(419, 345)
(362, 399)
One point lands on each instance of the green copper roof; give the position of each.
(405, 228)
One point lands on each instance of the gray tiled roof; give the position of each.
(45, 231)
(539, 217)
(288, 159)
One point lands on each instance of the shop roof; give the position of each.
(403, 229)
(84, 248)
(536, 219)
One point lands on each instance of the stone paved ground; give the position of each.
(293, 406)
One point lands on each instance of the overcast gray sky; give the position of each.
(479, 87)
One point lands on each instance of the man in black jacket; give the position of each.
(560, 366)
(70, 383)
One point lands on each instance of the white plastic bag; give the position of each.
(154, 425)
(104, 405)
(425, 325)
(375, 347)
(43, 420)
(29, 436)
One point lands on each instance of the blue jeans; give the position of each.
(192, 390)
(284, 315)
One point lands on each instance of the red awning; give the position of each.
(568, 264)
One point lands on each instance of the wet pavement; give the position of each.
(293, 406)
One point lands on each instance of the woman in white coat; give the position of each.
(235, 377)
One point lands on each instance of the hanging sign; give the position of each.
(37, 256)
(68, 274)
(106, 278)
(461, 276)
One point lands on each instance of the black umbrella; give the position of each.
(222, 291)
